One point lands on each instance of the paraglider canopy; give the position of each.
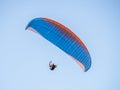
(63, 38)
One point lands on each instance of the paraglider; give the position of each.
(52, 66)
(63, 38)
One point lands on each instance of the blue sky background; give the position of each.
(24, 55)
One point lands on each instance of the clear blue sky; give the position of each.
(24, 55)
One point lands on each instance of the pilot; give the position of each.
(52, 66)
